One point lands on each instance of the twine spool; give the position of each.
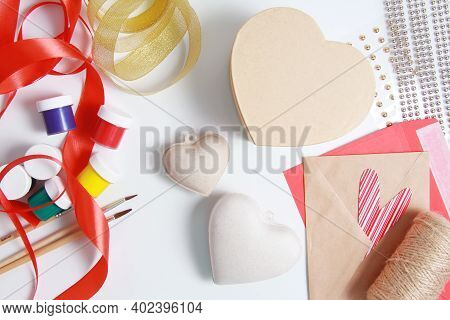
(420, 266)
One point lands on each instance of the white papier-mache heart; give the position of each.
(246, 245)
(197, 164)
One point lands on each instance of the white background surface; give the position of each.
(161, 251)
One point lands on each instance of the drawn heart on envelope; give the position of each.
(291, 86)
(246, 245)
(197, 164)
(376, 221)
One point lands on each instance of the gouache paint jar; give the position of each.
(98, 174)
(49, 192)
(111, 126)
(57, 113)
(43, 169)
(16, 183)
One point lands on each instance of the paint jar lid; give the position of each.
(115, 116)
(54, 187)
(54, 103)
(16, 183)
(100, 163)
(43, 169)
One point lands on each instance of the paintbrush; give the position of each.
(54, 241)
(14, 235)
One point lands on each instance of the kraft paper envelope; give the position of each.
(337, 246)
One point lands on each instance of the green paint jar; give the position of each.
(50, 191)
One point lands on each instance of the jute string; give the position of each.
(420, 266)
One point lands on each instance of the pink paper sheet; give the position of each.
(431, 140)
(402, 137)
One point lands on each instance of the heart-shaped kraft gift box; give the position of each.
(291, 86)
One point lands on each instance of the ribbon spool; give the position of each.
(146, 39)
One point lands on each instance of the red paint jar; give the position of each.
(111, 126)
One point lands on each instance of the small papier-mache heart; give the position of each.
(197, 164)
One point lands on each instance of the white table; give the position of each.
(161, 251)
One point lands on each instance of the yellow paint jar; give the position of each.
(98, 174)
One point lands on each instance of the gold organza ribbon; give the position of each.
(143, 40)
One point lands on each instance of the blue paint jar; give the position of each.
(57, 113)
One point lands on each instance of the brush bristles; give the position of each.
(130, 197)
(121, 214)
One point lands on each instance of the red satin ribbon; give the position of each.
(28, 61)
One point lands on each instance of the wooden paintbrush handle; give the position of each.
(43, 250)
(54, 241)
(41, 243)
(14, 235)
